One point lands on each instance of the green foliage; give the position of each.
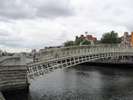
(78, 40)
(69, 43)
(110, 38)
(107, 38)
(85, 42)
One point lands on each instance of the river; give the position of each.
(84, 82)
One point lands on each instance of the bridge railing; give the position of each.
(57, 53)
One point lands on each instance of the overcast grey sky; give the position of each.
(26, 24)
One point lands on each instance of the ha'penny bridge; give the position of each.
(59, 58)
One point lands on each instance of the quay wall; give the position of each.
(13, 77)
(1, 96)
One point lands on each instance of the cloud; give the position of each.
(16, 9)
(55, 8)
(21, 9)
(31, 34)
(10, 39)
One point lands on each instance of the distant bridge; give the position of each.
(52, 59)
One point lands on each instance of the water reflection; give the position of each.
(84, 83)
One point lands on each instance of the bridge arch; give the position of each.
(73, 57)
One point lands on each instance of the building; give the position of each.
(91, 38)
(127, 39)
(132, 39)
(1, 52)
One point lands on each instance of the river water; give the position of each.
(84, 82)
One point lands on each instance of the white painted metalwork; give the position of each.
(52, 59)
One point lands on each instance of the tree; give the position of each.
(78, 40)
(85, 42)
(110, 38)
(69, 43)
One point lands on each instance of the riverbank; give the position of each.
(1, 96)
(13, 80)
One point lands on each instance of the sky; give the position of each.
(29, 24)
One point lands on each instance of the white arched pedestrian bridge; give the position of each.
(55, 58)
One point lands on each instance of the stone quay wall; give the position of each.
(13, 77)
